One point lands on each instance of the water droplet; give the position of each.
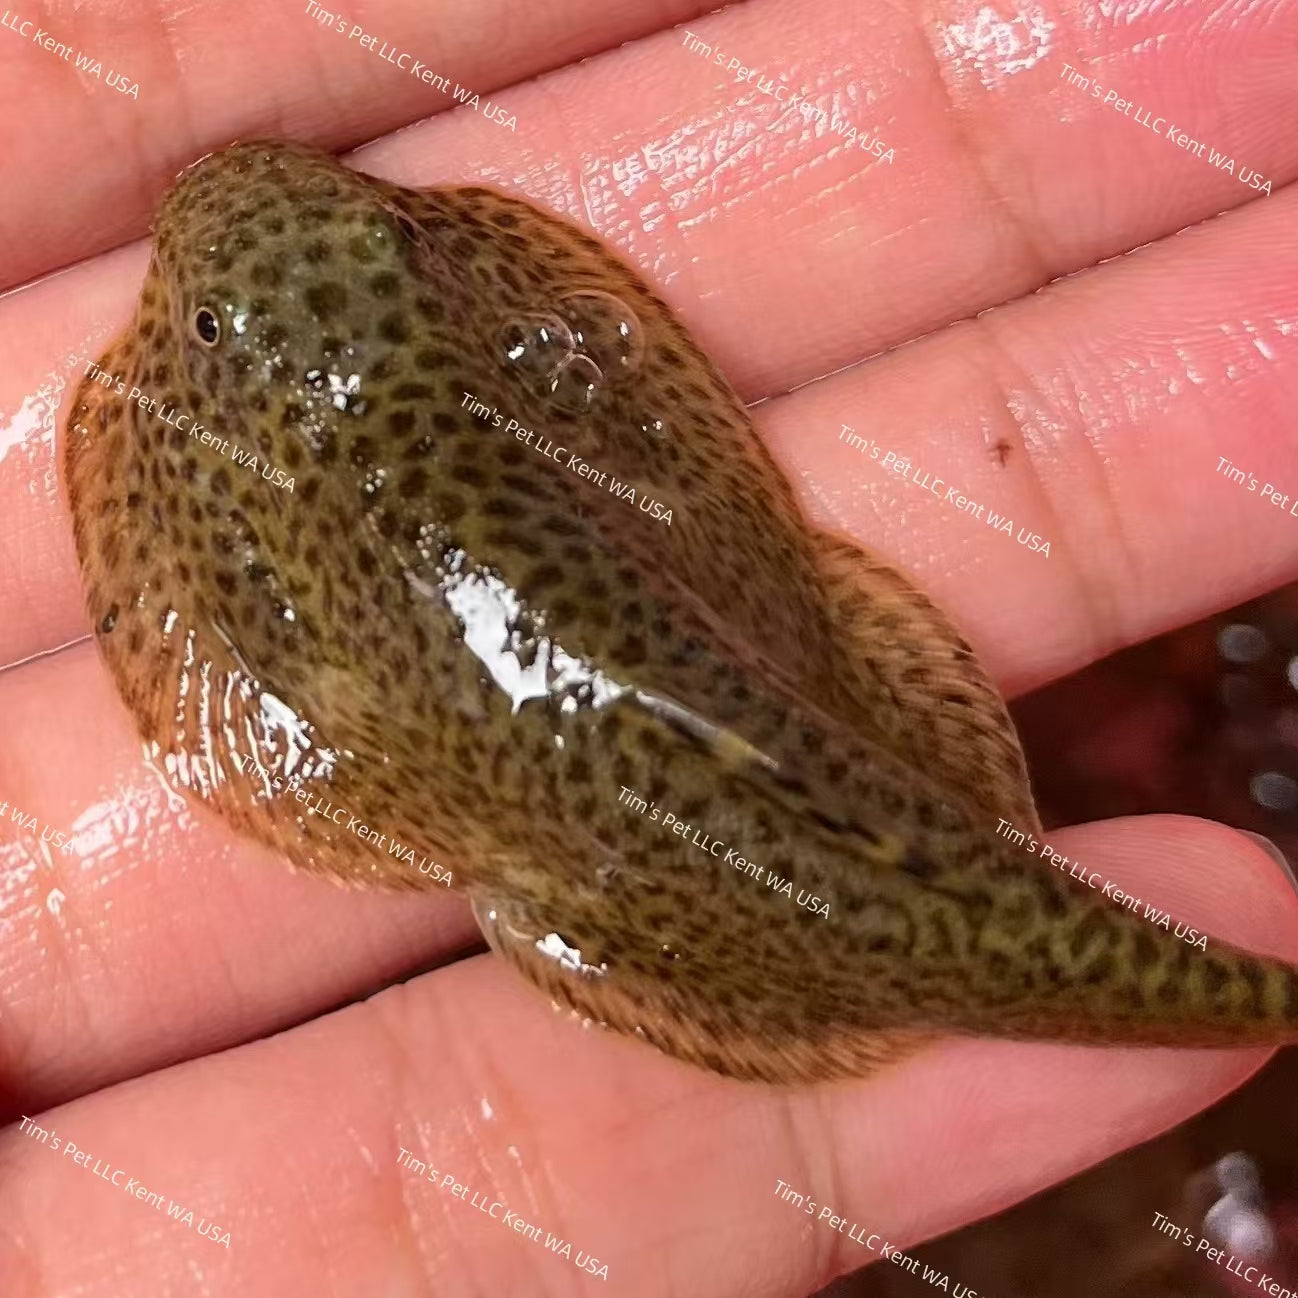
(574, 383)
(344, 392)
(535, 345)
(110, 620)
(606, 329)
(1241, 643)
(653, 428)
(1237, 1173)
(1274, 791)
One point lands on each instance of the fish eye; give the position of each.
(206, 326)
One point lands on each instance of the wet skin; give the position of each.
(469, 644)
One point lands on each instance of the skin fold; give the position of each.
(481, 652)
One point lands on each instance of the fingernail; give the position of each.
(1275, 854)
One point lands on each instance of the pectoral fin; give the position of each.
(926, 697)
(212, 726)
(690, 1013)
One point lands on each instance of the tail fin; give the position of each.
(1049, 958)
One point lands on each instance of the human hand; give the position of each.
(1094, 413)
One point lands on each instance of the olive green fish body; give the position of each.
(435, 620)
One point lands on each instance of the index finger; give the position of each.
(202, 76)
(598, 1141)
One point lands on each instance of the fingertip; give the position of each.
(1276, 855)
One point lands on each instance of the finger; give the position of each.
(989, 122)
(157, 935)
(1005, 175)
(199, 82)
(1096, 417)
(617, 1151)
(40, 584)
(925, 255)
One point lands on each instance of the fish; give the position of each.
(358, 500)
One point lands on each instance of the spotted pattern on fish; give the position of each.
(448, 638)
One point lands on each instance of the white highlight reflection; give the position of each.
(491, 613)
(997, 47)
(568, 957)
